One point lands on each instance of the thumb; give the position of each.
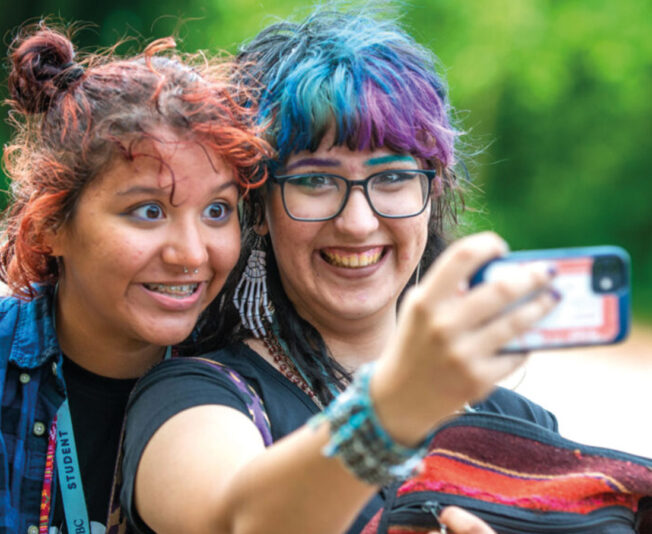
(455, 520)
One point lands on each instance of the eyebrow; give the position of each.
(317, 162)
(164, 191)
(388, 159)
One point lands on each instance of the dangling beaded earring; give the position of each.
(250, 297)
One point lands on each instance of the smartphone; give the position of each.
(594, 284)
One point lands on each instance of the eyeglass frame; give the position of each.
(282, 179)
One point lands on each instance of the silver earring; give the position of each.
(250, 298)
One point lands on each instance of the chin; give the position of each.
(361, 310)
(168, 335)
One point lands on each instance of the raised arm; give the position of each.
(206, 469)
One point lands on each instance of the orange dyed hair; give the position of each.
(71, 118)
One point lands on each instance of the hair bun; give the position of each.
(41, 66)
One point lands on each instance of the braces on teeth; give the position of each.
(178, 289)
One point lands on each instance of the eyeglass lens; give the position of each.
(391, 193)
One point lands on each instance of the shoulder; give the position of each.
(181, 383)
(286, 405)
(192, 379)
(506, 402)
(233, 376)
(170, 388)
(27, 334)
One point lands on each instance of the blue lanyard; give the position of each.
(69, 474)
(72, 491)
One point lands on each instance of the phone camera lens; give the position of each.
(608, 274)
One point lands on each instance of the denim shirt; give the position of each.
(32, 391)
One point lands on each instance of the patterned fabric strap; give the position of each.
(254, 402)
(46, 493)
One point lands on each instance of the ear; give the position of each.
(262, 229)
(437, 189)
(260, 222)
(55, 241)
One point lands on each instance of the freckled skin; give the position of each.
(110, 249)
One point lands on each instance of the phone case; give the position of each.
(594, 284)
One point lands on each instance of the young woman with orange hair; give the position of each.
(122, 227)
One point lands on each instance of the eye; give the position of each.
(148, 212)
(394, 177)
(217, 211)
(314, 181)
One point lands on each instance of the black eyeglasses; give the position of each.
(392, 193)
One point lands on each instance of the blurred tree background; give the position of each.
(556, 98)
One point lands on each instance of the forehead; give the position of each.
(162, 163)
(326, 155)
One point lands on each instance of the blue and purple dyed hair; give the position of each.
(361, 74)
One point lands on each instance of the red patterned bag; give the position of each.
(521, 478)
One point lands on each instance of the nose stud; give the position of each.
(186, 271)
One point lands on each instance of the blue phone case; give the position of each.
(594, 284)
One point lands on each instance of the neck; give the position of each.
(359, 342)
(113, 361)
(352, 346)
(111, 356)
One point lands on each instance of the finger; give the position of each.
(460, 521)
(491, 298)
(460, 261)
(496, 333)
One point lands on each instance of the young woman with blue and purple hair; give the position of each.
(361, 190)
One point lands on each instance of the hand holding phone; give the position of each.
(594, 286)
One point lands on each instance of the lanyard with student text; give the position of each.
(68, 471)
(72, 491)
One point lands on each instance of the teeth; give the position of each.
(353, 261)
(184, 290)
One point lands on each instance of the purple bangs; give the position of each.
(411, 119)
(362, 76)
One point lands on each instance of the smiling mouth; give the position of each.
(175, 291)
(352, 260)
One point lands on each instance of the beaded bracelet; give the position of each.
(360, 441)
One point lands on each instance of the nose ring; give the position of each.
(185, 270)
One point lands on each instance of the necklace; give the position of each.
(288, 368)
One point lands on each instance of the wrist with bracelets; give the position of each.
(359, 440)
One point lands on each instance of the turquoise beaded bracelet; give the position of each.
(359, 440)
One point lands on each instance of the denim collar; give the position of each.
(29, 328)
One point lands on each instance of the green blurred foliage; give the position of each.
(559, 94)
(554, 97)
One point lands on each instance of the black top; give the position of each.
(97, 407)
(178, 384)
